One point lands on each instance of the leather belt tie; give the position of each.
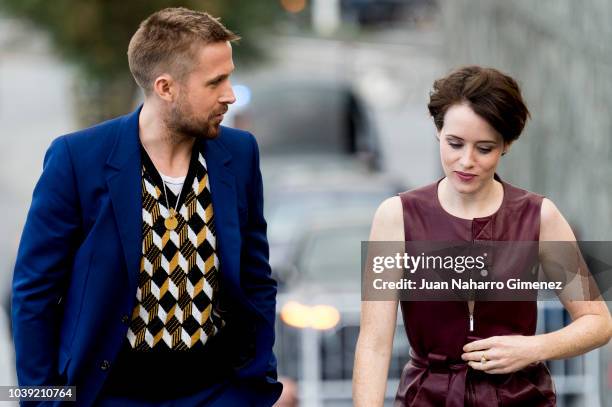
(445, 381)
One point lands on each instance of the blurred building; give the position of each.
(561, 53)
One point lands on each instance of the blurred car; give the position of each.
(318, 317)
(320, 159)
(319, 210)
(306, 117)
(303, 190)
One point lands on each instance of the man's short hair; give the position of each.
(167, 41)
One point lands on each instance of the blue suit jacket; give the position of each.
(76, 272)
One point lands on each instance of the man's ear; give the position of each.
(165, 87)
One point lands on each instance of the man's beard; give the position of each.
(182, 121)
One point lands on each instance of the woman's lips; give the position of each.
(464, 176)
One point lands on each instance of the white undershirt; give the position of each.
(174, 184)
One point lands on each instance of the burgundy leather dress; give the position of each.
(436, 375)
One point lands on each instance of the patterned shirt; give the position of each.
(179, 268)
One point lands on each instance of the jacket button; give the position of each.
(125, 319)
(105, 365)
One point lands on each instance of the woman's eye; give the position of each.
(455, 145)
(484, 150)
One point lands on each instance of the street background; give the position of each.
(61, 71)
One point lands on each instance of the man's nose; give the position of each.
(228, 97)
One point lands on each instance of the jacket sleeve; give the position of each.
(256, 280)
(48, 243)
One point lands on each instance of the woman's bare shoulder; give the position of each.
(553, 226)
(388, 223)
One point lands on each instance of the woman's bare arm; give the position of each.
(378, 320)
(591, 325)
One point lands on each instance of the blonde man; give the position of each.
(142, 276)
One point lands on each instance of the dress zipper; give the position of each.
(471, 322)
(472, 302)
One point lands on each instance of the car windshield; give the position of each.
(304, 117)
(333, 255)
(300, 209)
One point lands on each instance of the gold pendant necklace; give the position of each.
(171, 222)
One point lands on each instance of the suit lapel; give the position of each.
(124, 182)
(223, 192)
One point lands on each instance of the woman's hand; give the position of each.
(502, 354)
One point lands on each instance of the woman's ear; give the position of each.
(506, 147)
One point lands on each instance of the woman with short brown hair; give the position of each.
(479, 353)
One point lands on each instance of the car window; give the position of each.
(306, 119)
(295, 212)
(334, 255)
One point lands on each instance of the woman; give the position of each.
(476, 353)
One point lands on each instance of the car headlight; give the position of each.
(320, 317)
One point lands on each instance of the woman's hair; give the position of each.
(492, 95)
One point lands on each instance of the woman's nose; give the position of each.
(467, 159)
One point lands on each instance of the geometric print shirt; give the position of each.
(179, 271)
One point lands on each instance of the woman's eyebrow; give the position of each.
(477, 142)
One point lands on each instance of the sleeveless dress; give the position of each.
(436, 375)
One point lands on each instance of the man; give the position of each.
(142, 275)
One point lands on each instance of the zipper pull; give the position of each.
(471, 322)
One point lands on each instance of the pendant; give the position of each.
(171, 223)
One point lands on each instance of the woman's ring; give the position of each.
(483, 359)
